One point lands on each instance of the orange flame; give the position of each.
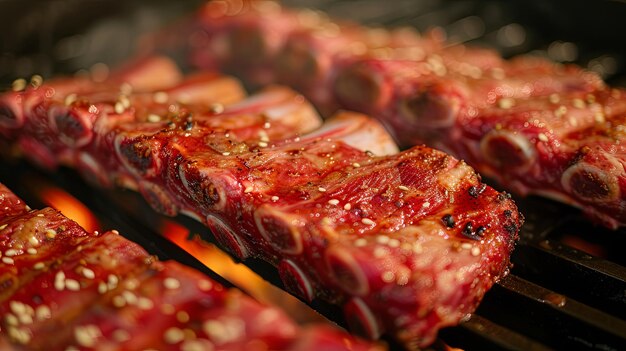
(71, 208)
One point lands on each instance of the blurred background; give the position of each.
(65, 36)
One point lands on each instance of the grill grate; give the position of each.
(556, 295)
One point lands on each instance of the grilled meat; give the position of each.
(407, 242)
(65, 288)
(521, 121)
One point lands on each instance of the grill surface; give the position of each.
(568, 284)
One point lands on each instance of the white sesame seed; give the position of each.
(267, 125)
(40, 215)
(599, 117)
(123, 99)
(426, 204)
(154, 118)
(173, 335)
(205, 285)
(393, 243)
(555, 98)
(112, 281)
(578, 103)
(119, 301)
(333, 202)
(31, 251)
(72, 284)
(102, 288)
(130, 298)
(225, 153)
(119, 108)
(367, 221)
(39, 265)
(216, 108)
(160, 97)
(182, 316)
(356, 165)
(145, 303)
(10, 252)
(475, 251)
(171, 283)
(43, 312)
(11, 320)
(88, 273)
(388, 276)
(380, 252)
(323, 190)
(543, 137)
(51, 233)
(87, 335)
(466, 246)
(263, 144)
(17, 307)
(382, 239)
(3, 226)
(8, 260)
(248, 189)
(506, 103)
(59, 285)
(561, 111)
(18, 84)
(360, 242)
(70, 99)
(347, 207)
(33, 241)
(403, 188)
(274, 198)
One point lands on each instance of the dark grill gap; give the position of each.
(556, 296)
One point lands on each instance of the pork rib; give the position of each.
(406, 242)
(64, 288)
(467, 101)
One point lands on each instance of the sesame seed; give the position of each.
(102, 288)
(417, 248)
(112, 281)
(145, 303)
(88, 273)
(561, 111)
(168, 309)
(506, 103)
(182, 316)
(543, 137)
(216, 108)
(578, 103)
(380, 252)
(11, 320)
(3, 226)
(356, 165)
(360, 242)
(554, 98)
(119, 301)
(36, 80)
(248, 189)
(205, 285)
(323, 190)
(17, 307)
(10, 252)
(263, 144)
(426, 204)
(51, 233)
(33, 241)
(8, 260)
(154, 118)
(599, 117)
(403, 188)
(475, 251)
(267, 125)
(393, 243)
(86, 335)
(347, 207)
(173, 335)
(367, 221)
(18, 84)
(43, 312)
(130, 298)
(382, 239)
(171, 283)
(119, 108)
(123, 99)
(466, 246)
(225, 153)
(333, 202)
(59, 285)
(274, 198)
(388, 276)
(40, 215)
(115, 232)
(72, 284)
(160, 97)
(39, 265)
(31, 251)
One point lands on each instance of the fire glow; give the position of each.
(70, 207)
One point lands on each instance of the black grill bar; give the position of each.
(555, 319)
